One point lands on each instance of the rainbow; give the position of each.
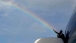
(30, 14)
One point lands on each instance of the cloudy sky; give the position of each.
(17, 26)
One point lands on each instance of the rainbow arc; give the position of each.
(33, 15)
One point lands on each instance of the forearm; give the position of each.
(55, 32)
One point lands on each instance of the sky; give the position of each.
(17, 26)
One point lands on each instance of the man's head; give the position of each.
(61, 31)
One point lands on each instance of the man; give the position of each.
(60, 35)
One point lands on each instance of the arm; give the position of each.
(55, 31)
(69, 32)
